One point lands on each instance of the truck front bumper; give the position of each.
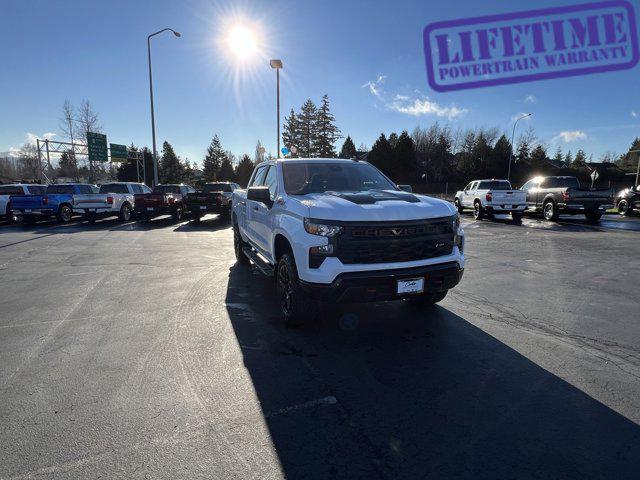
(382, 285)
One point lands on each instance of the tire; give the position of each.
(549, 211)
(592, 216)
(125, 212)
(456, 202)
(178, 211)
(238, 243)
(196, 218)
(90, 217)
(516, 217)
(478, 211)
(429, 299)
(65, 214)
(296, 306)
(226, 213)
(624, 208)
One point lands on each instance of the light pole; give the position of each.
(153, 120)
(277, 64)
(512, 134)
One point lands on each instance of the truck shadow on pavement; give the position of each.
(387, 391)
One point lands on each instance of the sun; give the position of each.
(242, 42)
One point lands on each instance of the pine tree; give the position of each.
(244, 170)
(226, 168)
(307, 127)
(580, 159)
(629, 161)
(348, 149)
(404, 155)
(291, 133)
(171, 169)
(500, 158)
(381, 155)
(326, 131)
(213, 160)
(68, 165)
(538, 156)
(568, 158)
(558, 156)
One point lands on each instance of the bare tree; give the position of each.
(29, 165)
(87, 119)
(67, 122)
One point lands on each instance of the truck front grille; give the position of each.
(387, 242)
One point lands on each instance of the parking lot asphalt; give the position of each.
(143, 351)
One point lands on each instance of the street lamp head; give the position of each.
(275, 63)
(177, 34)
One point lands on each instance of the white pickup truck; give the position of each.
(486, 197)
(16, 189)
(113, 199)
(332, 230)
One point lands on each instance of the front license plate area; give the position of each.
(203, 207)
(149, 209)
(411, 285)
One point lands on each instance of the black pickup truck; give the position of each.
(563, 195)
(167, 199)
(213, 198)
(628, 200)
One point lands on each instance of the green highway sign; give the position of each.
(97, 146)
(118, 152)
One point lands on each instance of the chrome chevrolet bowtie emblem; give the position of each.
(396, 231)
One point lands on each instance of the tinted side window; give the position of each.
(270, 181)
(10, 190)
(136, 188)
(146, 189)
(60, 189)
(36, 190)
(85, 189)
(113, 188)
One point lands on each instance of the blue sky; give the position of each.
(363, 54)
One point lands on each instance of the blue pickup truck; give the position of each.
(58, 201)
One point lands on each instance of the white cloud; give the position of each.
(31, 137)
(424, 106)
(530, 99)
(414, 106)
(375, 86)
(569, 136)
(634, 114)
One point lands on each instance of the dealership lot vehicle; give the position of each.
(628, 200)
(166, 199)
(16, 189)
(554, 196)
(486, 197)
(337, 230)
(112, 199)
(95, 376)
(58, 201)
(214, 197)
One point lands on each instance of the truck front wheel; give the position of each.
(458, 206)
(297, 308)
(125, 212)
(550, 211)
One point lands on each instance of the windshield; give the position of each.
(166, 189)
(317, 177)
(57, 189)
(113, 188)
(217, 187)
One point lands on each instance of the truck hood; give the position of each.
(375, 205)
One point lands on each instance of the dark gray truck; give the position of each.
(554, 196)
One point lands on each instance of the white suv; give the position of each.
(339, 230)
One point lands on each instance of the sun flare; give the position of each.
(242, 42)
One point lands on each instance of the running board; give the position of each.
(259, 261)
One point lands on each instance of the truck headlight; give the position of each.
(321, 229)
(458, 233)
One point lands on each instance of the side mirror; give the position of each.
(406, 188)
(260, 194)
